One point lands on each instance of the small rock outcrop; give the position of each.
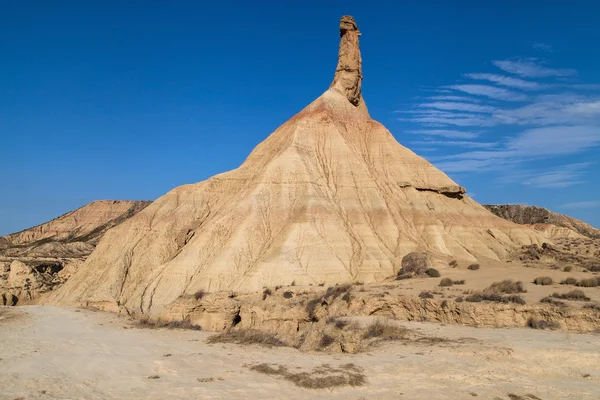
(348, 74)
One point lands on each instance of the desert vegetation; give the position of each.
(321, 377)
(158, 323)
(577, 295)
(543, 280)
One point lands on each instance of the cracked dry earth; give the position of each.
(74, 353)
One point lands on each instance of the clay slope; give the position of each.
(542, 219)
(72, 234)
(330, 196)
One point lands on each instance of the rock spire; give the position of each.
(348, 74)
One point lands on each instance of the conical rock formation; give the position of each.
(330, 196)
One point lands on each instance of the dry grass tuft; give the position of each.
(426, 294)
(385, 331)
(322, 377)
(494, 297)
(155, 324)
(569, 281)
(543, 280)
(568, 268)
(246, 336)
(507, 286)
(550, 300)
(473, 267)
(535, 323)
(577, 295)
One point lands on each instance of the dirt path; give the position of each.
(68, 353)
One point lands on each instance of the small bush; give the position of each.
(543, 280)
(199, 294)
(446, 282)
(432, 272)
(153, 377)
(459, 300)
(338, 323)
(402, 276)
(323, 377)
(535, 323)
(568, 268)
(326, 341)
(334, 292)
(592, 306)
(473, 267)
(453, 263)
(569, 281)
(550, 300)
(267, 292)
(288, 295)
(507, 286)
(577, 295)
(246, 336)
(486, 296)
(594, 268)
(590, 282)
(385, 331)
(426, 295)
(460, 282)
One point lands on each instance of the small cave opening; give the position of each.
(236, 320)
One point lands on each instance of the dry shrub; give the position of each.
(577, 295)
(267, 292)
(322, 377)
(568, 268)
(155, 324)
(246, 336)
(326, 340)
(446, 282)
(494, 297)
(453, 263)
(432, 272)
(333, 292)
(589, 282)
(535, 323)
(459, 300)
(569, 281)
(338, 323)
(153, 377)
(543, 280)
(385, 331)
(592, 307)
(507, 286)
(426, 295)
(460, 282)
(550, 300)
(288, 295)
(402, 276)
(594, 268)
(473, 267)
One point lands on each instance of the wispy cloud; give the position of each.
(447, 133)
(456, 106)
(506, 81)
(490, 91)
(542, 46)
(529, 68)
(458, 143)
(582, 204)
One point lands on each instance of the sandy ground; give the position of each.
(69, 353)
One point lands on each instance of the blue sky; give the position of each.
(126, 100)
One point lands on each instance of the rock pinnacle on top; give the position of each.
(348, 74)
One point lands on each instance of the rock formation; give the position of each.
(552, 224)
(329, 197)
(41, 258)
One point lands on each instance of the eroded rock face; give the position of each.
(553, 224)
(348, 74)
(329, 197)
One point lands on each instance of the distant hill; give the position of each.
(74, 234)
(532, 215)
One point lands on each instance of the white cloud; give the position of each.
(555, 140)
(458, 143)
(506, 81)
(451, 134)
(454, 98)
(582, 204)
(490, 91)
(542, 46)
(449, 105)
(530, 69)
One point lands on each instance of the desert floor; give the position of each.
(74, 353)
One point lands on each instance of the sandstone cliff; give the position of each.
(329, 197)
(41, 258)
(553, 224)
